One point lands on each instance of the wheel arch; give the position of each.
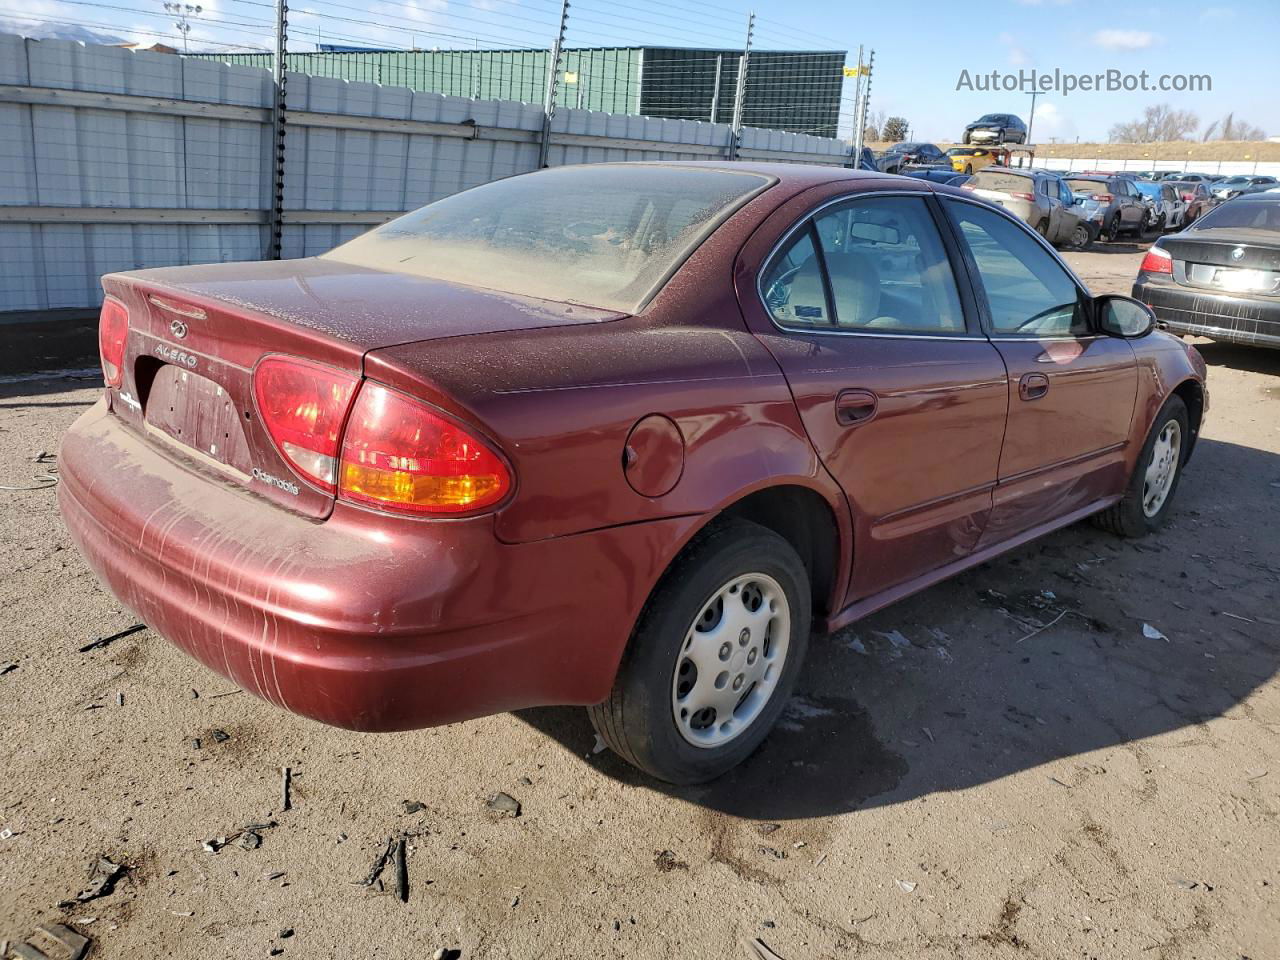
(806, 520)
(1191, 392)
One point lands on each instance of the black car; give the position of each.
(1219, 278)
(912, 154)
(996, 128)
(949, 177)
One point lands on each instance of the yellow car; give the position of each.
(971, 159)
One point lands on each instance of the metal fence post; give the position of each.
(715, 92)
(553, 75)
(275, 225)
(740, 93)
(855, 148)
(861, 108)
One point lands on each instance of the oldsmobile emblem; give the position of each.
(1237, 253)
(178, 328)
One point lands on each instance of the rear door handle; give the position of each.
(1033, 386)
(855, 406)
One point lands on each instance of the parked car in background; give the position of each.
(1041, 200)
(1111, 202)
(1235, 186)
(616, 435)
(996, 128)
(1195, 194)
(972, 159)
(1166, 204)
(867, 160)
(917, 154)
(949, 177)
(1220, 277)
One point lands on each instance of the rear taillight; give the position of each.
(1188, 197)
(1157, 260)
(303, 406)
(113, 330)
(1101, 197)
(400, 454)
(1023, 196)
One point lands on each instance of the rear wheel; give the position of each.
(1112, 229)
(1080, 237)
(1042, 228)
(965, 139)
(1146, 500)
(713, 657)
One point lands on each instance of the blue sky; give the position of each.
(921, 47)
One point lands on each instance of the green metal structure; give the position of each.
(793, 90)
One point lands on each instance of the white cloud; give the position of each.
(1014, 50)
(1217, 14)
(1052, 124)
(1125, 39)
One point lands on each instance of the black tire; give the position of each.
(1111, 232)
(965, 138)
(637, 720)
(1161, 222)
(1081, 237)
(1128, 518)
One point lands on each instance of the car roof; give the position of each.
(1257, 198)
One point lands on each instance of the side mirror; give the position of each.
(1121, 316)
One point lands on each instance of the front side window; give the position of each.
(881, 268)
(1028, 291)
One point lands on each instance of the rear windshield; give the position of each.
(1250, 215)
(1088, 186)
(604, 235)
(1150, 189)
(1000, 181)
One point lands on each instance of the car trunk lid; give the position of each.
(1228, 261)
(196, 335)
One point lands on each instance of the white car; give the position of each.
(1234, 186)
(1168, 209)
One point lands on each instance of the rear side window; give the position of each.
(878, 266)
(1028, 291)
(604, 235)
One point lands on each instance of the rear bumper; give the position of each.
(1232, 319)
(362, 621)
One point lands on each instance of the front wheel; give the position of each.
(1146, 500)
(713, 656)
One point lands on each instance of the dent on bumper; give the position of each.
(363, 621)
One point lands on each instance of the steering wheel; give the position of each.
(779, 292)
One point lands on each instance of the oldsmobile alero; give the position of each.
(617, 435)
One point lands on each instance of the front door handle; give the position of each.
(855, 406)
(1033, 386)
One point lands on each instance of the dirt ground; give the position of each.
(950, 781)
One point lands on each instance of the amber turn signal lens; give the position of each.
(400, 454)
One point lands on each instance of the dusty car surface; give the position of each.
(1219, 278)
(618, 435)
(1039, 199)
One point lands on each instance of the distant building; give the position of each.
(794, 90)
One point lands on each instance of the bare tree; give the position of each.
(894, 129)
(1229, 128)
(875, 123)
(1158, 124)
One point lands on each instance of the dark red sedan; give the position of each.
(613, 435)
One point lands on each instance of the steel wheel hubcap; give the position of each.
(1158, 480)
(731, 660)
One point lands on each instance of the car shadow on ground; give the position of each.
(1264, 360)
(958, 687)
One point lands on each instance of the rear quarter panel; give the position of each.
(560, 403)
